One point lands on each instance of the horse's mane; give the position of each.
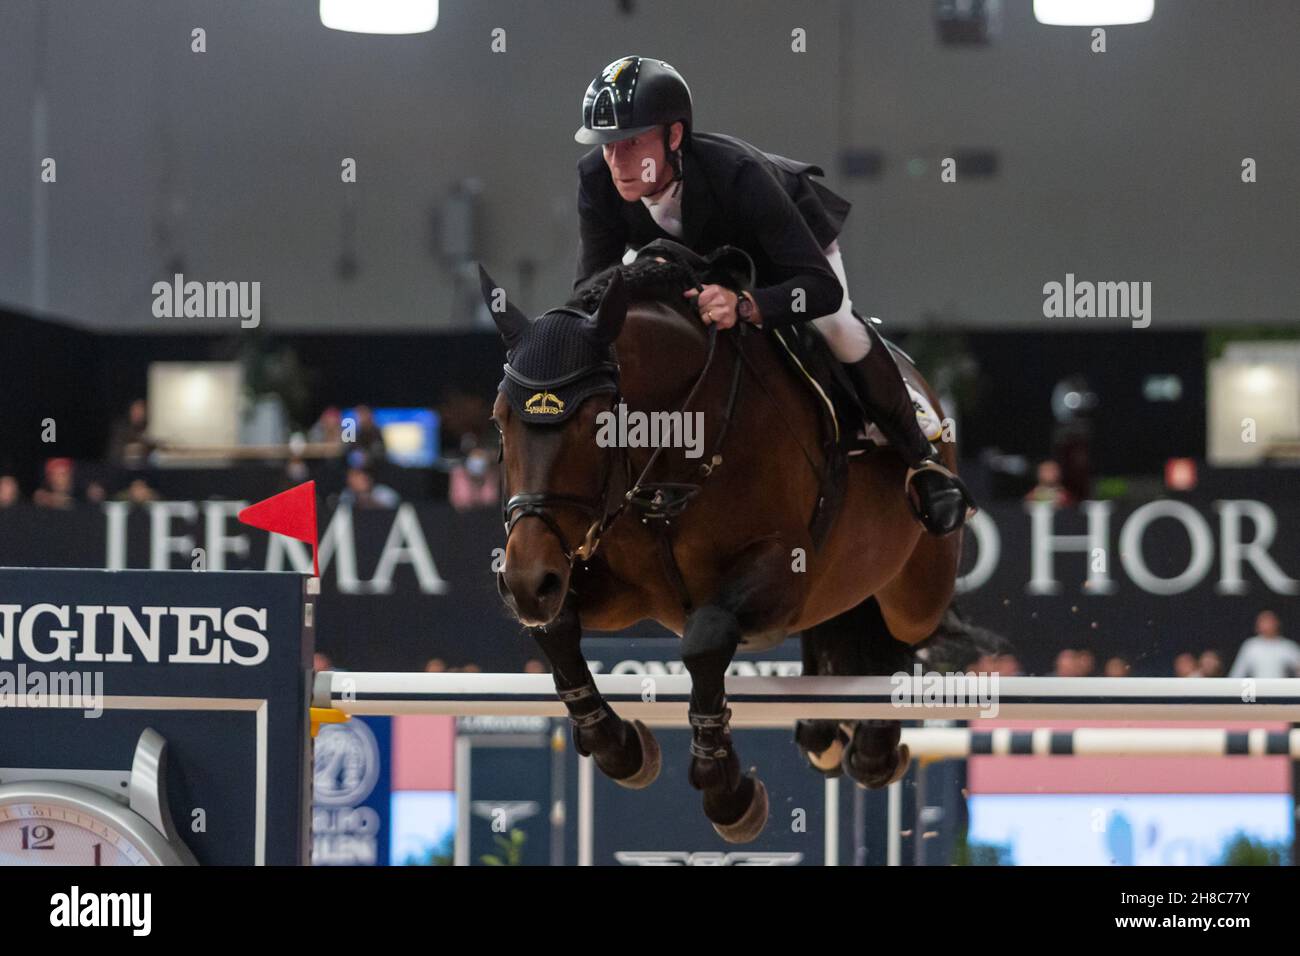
(645, 280)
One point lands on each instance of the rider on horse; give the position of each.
(653, 177)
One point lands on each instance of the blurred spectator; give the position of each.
(1185, 665)
(128, 443)
(472, 669)
(1210, 664)
(1005, 665)
(365, 434)
(328, 429)
(474, 481)
(1049, 487)
(534, 666)
(137, 492)
(1116, 667)
(1268, 653)
(435, 665)
(1067, 664)
(1074, 406)
(321, 662)
(463, 417)
(1075, 662)
(10, 493)
(295, 472)
(363, 492)
(59, 489)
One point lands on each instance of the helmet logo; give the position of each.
(603, 113)
(610, 75)
(544, 403)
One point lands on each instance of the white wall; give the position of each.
(1115, 166)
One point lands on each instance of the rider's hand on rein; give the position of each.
(716, 304)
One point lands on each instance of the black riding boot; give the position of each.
(941, 499)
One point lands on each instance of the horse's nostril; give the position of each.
(549, 585)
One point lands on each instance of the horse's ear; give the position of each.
(608, 320)
(510, 321)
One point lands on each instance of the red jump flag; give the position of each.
(291, 513)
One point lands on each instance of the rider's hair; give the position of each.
(674, 155)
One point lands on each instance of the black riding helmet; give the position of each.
(630, 96)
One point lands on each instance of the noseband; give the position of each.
(540, 505)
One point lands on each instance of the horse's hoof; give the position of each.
(904, 761)
(651, 759)
(875, 770)
(822, 744)
(751, 822)
(828, 762)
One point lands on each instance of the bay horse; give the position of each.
(715, 546)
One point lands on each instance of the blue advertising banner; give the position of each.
(352, 793)
(216, 663)
(507, 808)
(1145, 580)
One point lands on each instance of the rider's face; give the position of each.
(638, 164)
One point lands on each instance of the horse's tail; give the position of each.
(956, 644)
(859, 642)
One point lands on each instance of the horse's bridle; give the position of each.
(535, 504)
(667, 498)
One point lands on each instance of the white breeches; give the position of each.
(844, 332)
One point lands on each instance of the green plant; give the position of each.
(512, 850)
(1243, 850)
(965, 852)
(443, 853)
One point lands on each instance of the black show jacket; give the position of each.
(735, 195)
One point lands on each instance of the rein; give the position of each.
(656, 501)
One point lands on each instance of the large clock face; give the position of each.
(44, 833)
(53, 823)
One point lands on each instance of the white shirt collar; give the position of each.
(666, 209)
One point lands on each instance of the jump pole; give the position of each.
(759, 701)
